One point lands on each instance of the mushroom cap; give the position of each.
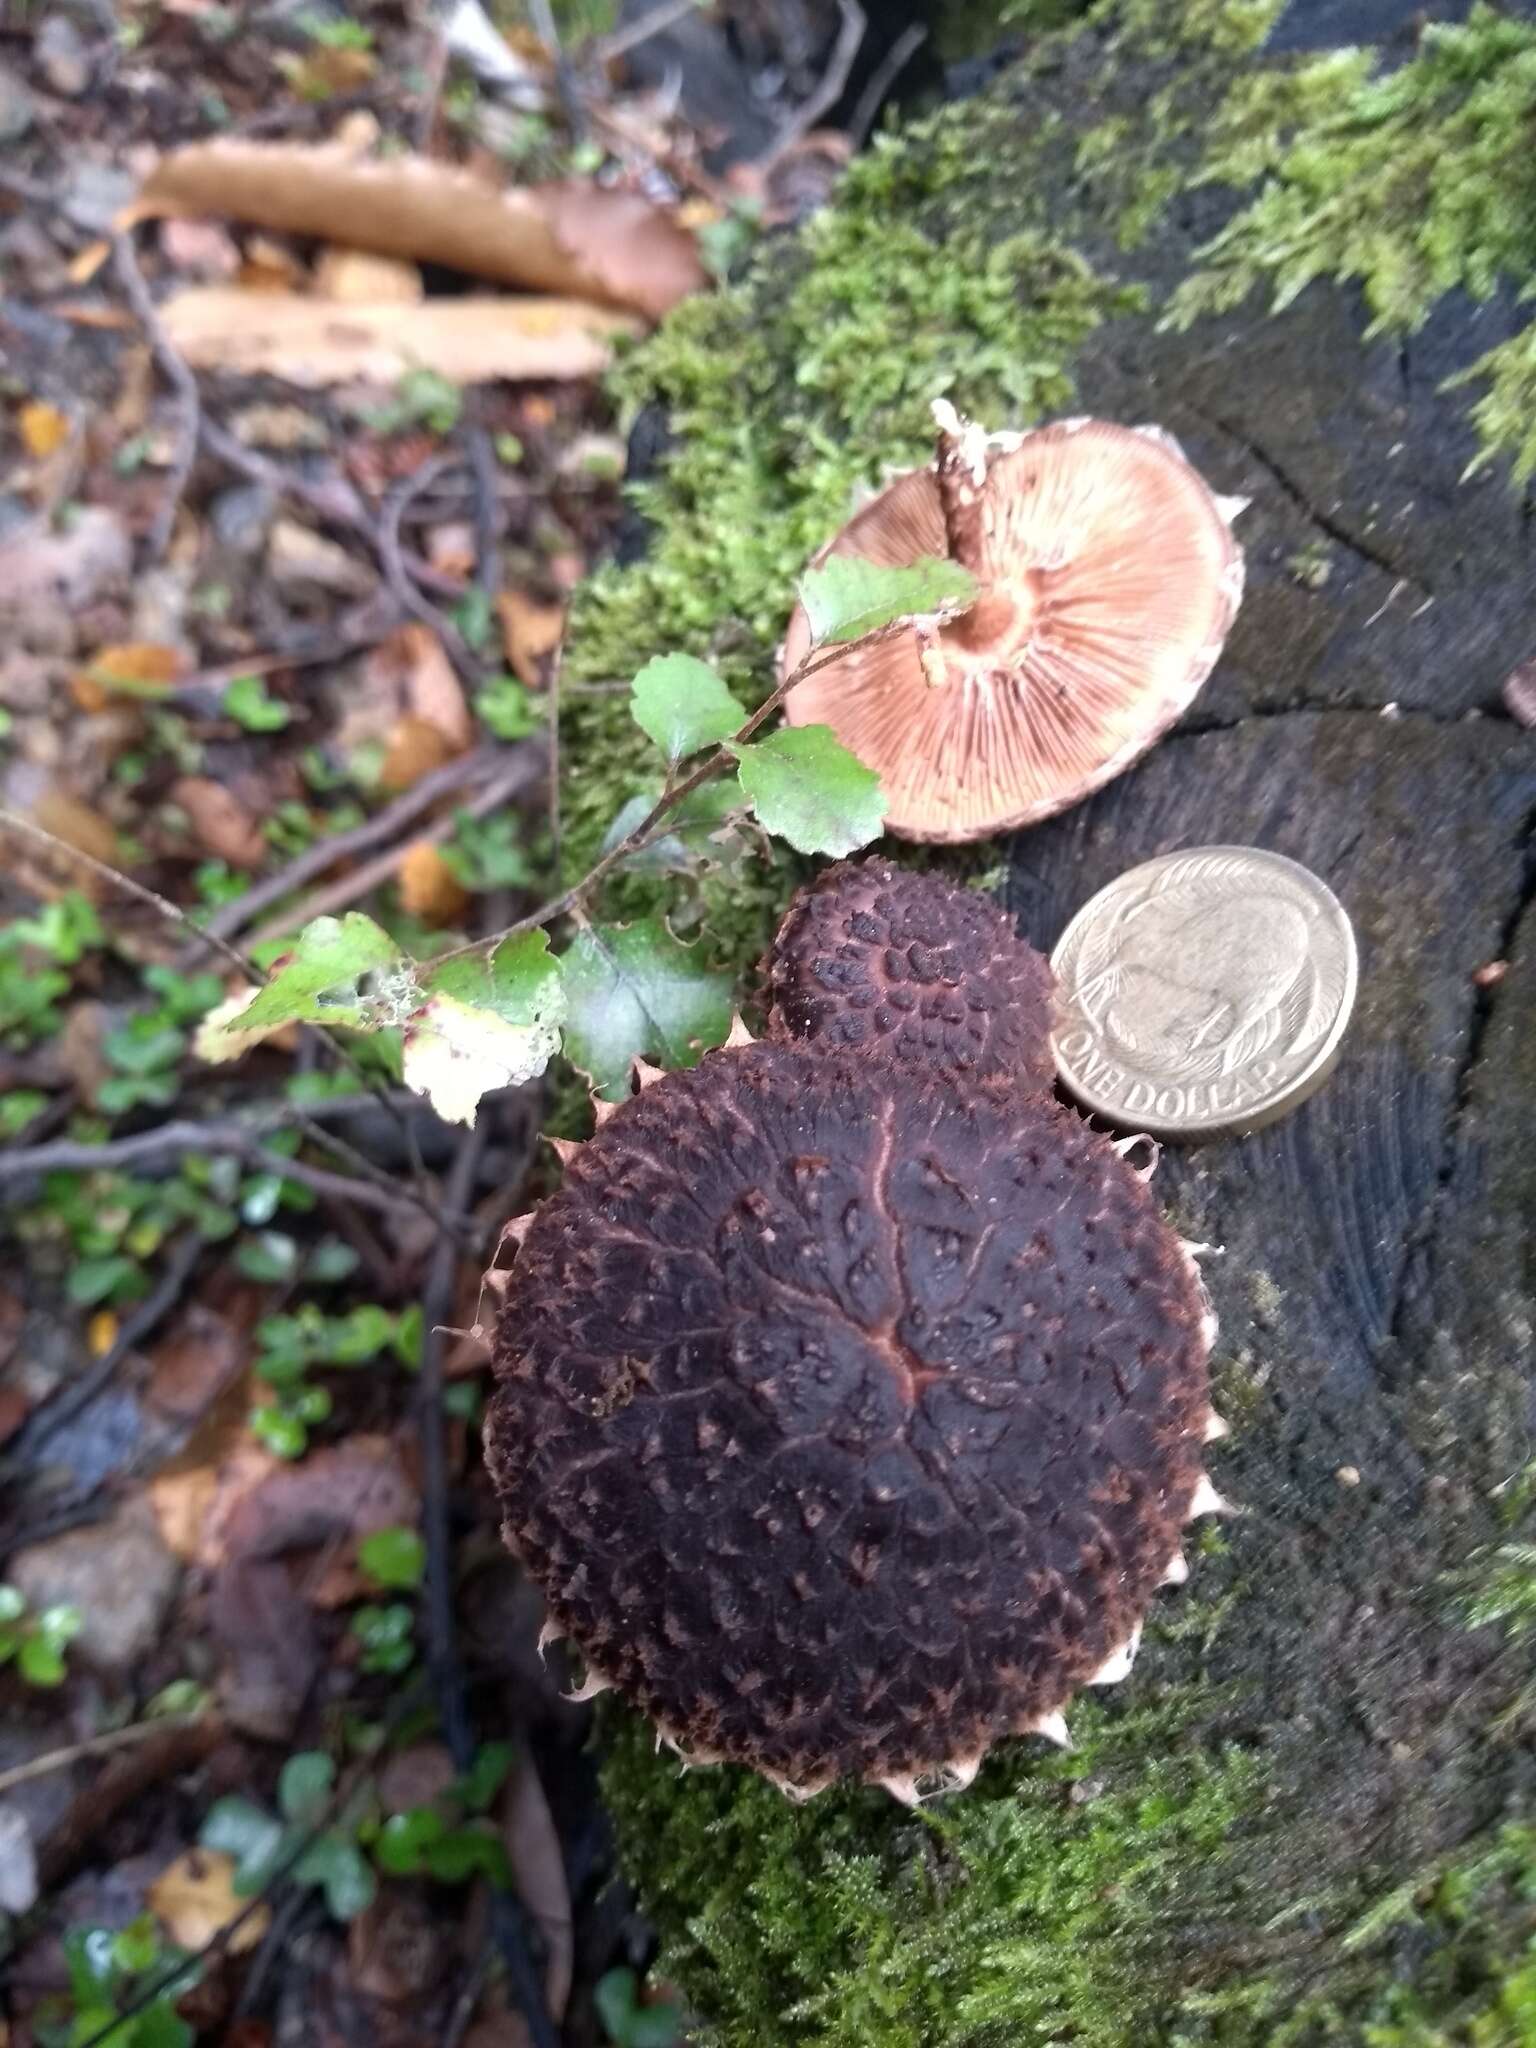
(1108, 582)
(846, 1417)
(876, 957)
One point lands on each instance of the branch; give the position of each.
(174, 369)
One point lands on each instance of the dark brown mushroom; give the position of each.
(1108, 581)
(849, 1419)
(873, 957)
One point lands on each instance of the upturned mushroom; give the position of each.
(874, 957)
(1107, 579)
(849, 1417)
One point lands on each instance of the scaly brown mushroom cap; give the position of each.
(849, 1420)
(873, 957)
(1108, 581)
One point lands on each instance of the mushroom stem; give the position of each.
(961, 467)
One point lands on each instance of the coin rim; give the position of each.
(1261, 1113)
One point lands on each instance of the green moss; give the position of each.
(1413, 183)
(1034, 1909)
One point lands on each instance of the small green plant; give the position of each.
(422, 398)
(505, 709)
(34, 954)
(291, 1347)
(35, 1643)
(251, 704)
(333, 34)
(451, 1840)
(489, 853)
(494, 1013)
(384, 1635)
(394, 1559)
(628, 2021)
(109, 1972)
(264, 1843)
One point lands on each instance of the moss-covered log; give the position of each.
(1306, 1815)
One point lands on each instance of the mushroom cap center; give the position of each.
(1002, 621)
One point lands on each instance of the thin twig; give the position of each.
(508, 1920)
(362, 881)
(713, 764)
(849, 36)
(565, 79)
(382, 827)
(894, 62)
(94, 1745)
(400, 578)
(619, 44)
(44, 1423)
(482, 469)
(174, 368)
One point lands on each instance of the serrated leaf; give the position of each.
(681, 704)
(805, 786)
(456, 1052)
(318, 980)
(848, 597)
(636, 990)
(519, 982)
(699, 831)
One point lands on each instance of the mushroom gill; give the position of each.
(1107, 580)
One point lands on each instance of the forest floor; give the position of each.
(287, 533)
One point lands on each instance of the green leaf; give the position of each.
(40, 1662)
(505, 708)
(627, 2022)
(304, 1789)
(519, 982)
(486, 1775)
(284, 1434)
(94, 1280)
(806, 787)
(250, 703)
(699, 833)
(848, 597)
(339, 1867)
(405, 1839)
(270, 1256)
(317, 980)
(238, 1827)
(484, 1025)
(681, 705)
(468, 1852)
(395, 1558)
(635, 989)
(137, 1947)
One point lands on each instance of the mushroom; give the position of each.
(849, 1417)
(875, 957)
(1107, 581)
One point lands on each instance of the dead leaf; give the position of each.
(451, 548)
(134, 668)
(101, 1332)
(269, 267)
(223, 824)
(595, 242)
(200, 248)
(426, 687)
(351, 277)
(193, 1499)
(193, 1367)
(214, 1042)
(429, 889)
(414, 749)
(312, 343)
(323, 72)
(538, 1876)
(298, 558)
(78, 826)
(43, 429)
(529, 632)
(194, 1899)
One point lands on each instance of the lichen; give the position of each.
(1414, 182)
